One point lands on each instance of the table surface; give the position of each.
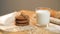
(41, 29)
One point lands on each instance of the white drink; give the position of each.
(43, 17)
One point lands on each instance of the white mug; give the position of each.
(43, 17)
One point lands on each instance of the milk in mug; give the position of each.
(43, 17)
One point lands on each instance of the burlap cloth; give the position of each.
(30, 29)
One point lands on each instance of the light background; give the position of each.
(8, 6)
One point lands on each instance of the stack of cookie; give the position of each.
(22, 20)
